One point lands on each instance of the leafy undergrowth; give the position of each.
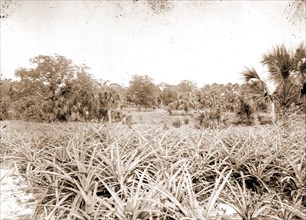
(100, 171)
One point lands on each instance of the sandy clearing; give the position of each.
(14, 202)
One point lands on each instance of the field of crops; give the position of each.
(149, 171)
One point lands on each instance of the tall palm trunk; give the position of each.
(272, 111)
(109, 115)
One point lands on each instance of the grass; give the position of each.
(147, 171)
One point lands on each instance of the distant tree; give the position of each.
(48, 75)
(142, 91)
(55, 85)
(186, 87)
(5, 97)
(210, 96)
(108, 99)
(230, 97)
(5, 86)
(168, 94)
(121, 91)
(187, 95)
(80, 95)
(84, 80)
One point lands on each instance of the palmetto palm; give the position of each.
(279, 63)
(287, 72)
(257, 89)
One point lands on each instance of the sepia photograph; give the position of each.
(153, 109)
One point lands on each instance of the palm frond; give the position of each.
(250, 74)
(279, 62)
(257, 88)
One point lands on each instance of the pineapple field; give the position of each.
(144, 110)
(150, 171)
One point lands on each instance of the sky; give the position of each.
(201, 41)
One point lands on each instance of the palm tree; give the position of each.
(287, 72)
(258, 90)
(281, 66)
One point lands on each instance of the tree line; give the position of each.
(55, 89)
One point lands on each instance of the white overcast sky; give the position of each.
(201, 41)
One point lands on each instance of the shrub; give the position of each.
(209, 118)
(202, 119)
(245, 113)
